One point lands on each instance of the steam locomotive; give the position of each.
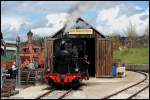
(67, 64)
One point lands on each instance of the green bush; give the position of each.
(10, 56)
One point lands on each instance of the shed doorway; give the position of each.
(86, 46)
(83, 46)
(90, 51)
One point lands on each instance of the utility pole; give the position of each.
(17, 59)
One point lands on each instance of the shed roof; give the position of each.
(79, 19)
(10, 42)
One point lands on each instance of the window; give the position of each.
(36, 50)
(25, 49)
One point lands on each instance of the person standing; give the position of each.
(27, 63)
(35, 64)
(31, 65)
(14, 69)
(2, 75)
(115, 70)
(86, 64)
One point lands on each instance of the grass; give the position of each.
(133, 55)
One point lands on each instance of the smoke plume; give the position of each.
(75, 12)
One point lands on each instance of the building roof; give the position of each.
(79, 19)
(9, 48)
(10, 42)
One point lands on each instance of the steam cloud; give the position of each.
(75, 12)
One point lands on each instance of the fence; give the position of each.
(137, 67)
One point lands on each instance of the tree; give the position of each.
(146, 34)
(131, 34)
(38, 40)
(147, 30)
(115, 41)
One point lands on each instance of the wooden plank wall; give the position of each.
(103, 58)
(103, 54)
(49, 52)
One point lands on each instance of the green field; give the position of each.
(133, 55)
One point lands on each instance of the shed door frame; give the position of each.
(49, 52)
(103, 57)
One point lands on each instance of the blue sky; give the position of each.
(44, 18)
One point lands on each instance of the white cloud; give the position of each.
(13, 22)
(17, 25)
(31, 7)
(110, 20)
(43, 31)
(11, 26)
(108, 15)
(55, 22)
(138, 8)
(111, 17)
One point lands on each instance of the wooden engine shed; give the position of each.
(98, 47)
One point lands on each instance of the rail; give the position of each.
(39, 97)
(52, 93)
(61, 97)
(127, 89)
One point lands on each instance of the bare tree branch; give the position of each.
(131, 33)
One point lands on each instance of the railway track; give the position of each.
(41, 96)
(57, 94)
(131, 91)
(54, 94)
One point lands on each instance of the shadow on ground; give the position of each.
(65, 87)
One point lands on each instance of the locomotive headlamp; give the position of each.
(48, 70)
(63, 42)
(76, 69)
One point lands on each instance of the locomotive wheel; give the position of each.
(75, 84)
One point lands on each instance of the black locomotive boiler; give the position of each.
(68, 63)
